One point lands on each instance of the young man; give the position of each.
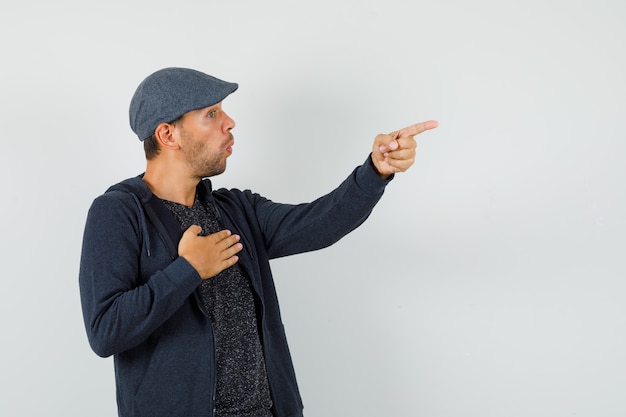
(175, 278)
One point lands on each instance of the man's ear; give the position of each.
(164, 133)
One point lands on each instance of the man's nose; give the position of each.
(229, 122)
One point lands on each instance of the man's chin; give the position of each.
(215, 170)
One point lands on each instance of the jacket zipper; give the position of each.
(261, 328)
(212, 335)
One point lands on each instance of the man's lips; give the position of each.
(229, 147)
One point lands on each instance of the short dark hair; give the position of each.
(151, 147)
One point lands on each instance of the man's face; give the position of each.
(206, 140)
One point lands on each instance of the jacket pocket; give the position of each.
(179, 380)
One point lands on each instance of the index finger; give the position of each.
(418, 128)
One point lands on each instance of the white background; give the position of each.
(488, 282)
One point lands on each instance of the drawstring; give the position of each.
(144, 224)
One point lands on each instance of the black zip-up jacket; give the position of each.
(138, 296)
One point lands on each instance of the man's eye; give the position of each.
(211, 114)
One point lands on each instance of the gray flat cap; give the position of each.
(169, 93)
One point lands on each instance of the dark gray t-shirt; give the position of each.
(242, 387)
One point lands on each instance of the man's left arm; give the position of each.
(290, 229)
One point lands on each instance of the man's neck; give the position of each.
(171, 185)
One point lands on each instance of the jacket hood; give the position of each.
(141, 195)
(151, 208)
(135, 186)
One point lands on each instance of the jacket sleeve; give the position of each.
(290, 229)
(120, 308)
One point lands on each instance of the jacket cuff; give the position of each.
(368, 179)
(183, 275)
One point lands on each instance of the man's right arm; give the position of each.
(121, 307)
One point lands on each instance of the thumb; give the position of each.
(379, 148)
(193, 230)
(393, 144)
(385, 143)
